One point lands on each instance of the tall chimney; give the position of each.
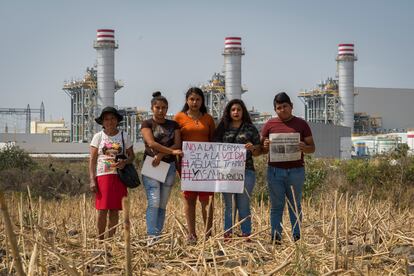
(345, 61)
(105, 46)
(232, 67)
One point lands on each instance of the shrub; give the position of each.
(12, 156)
(316, 172)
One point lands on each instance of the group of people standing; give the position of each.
(163, 139)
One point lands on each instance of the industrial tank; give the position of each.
(386, 144)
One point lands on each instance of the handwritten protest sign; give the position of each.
(213, 167)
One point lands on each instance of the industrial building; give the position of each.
(84, 105)
(331, 141)
(335, 109)
(376, 128)
(332, 102)
(393, 105)
(97, 89)
(214, 95)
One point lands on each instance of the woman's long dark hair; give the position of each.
(225, 120)
(199, 92)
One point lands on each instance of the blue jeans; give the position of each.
(242, 205)
(279, 182)
(157, 197)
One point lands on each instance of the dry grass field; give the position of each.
(342, 235)
(358, 220)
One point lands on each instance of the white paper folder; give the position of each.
(158, 173)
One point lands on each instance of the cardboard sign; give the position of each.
(213, 167)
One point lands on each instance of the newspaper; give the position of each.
(284, 147)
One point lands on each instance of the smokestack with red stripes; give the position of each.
(232, 67)
(345, 61)
(105, 46)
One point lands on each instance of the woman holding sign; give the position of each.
(236, 127)
(196, 125)
(162, 144)
(288, 138)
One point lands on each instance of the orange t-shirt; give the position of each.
(200, 130)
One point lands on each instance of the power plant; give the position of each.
(375, 128)
(335, 109)
(95, 91)
(333, 101)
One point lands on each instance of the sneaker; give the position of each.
(227, 237)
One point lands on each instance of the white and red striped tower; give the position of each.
(345, 61)
(105, 46)
(232, 67)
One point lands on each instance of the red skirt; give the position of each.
(110, 192)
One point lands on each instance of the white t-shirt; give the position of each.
(108, 148)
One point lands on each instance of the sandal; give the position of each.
(191, 240)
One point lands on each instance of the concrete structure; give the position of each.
(44, 145)
(232, 67)
(43, 127)
(394, 105)
(41, 143)
(105, 46)
(345, 61)
(331, 141)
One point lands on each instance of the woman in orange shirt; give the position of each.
(196, 125)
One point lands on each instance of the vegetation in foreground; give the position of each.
(353, 224)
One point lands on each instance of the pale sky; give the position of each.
(172, 45)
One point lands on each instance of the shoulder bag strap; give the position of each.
(123, 143)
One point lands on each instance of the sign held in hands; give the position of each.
(213, 167)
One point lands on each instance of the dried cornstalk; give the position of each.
(127, 226)
(11, 236)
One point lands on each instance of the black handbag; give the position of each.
(128, 175)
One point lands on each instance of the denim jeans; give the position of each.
(279, 182)
(157, 197)
(242, 204)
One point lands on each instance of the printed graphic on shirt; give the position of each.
(247, 134)
(110, 150)
(164, 136)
